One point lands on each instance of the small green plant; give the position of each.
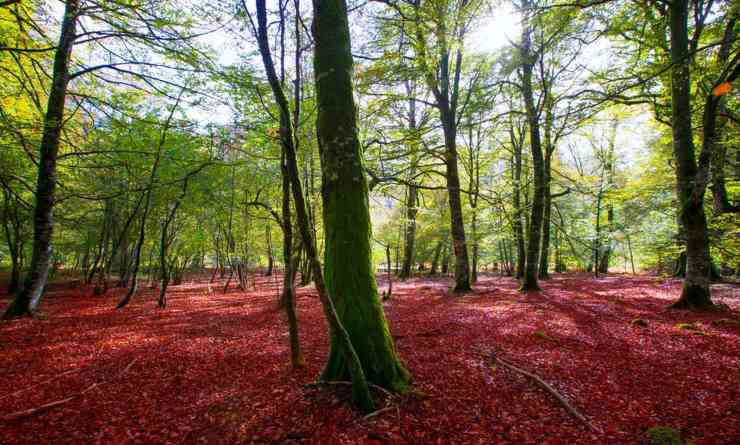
(545, 336)
(687, 326)
(665, 435)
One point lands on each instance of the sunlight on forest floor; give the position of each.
(213, 367)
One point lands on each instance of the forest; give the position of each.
(370, 222)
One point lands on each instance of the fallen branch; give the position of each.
(40, 383)
(563, 401)
(31, 411)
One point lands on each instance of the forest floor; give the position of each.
(213, 367)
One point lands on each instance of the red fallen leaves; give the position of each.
(213, 368)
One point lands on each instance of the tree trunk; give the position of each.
(350, 281)
(474, 237)
(597, 236)
(362, 348)
(411, 194)
(147, 206)
(547, 181)
(457, 223)
(410, 233)
(521, 257)
(435, 258)
(27, 300)
(270, 257)
(529, 281)
(287, 299)
(690, 184)
(445, 260)
(606, 256)
(389, 293)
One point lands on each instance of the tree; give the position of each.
(349, 275)
(528, 60)
(691, 178)
(27, 300)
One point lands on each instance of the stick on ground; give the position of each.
(29, 412)
(563, 401)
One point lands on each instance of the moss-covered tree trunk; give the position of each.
(347, 256)
(333, 55)
(529, 281)
(27, 300)
(691, 182)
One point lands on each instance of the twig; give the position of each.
(563, 401)
(29, 412)
(40, 383)
(343, 383)
(378, 412)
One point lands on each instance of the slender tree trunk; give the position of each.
(457, 223)
(606, 256)
(445, 260)
(521, 256)
(411, 193)
(529, 281)
(632, 260)
(287, 299)
(147, 206)
(690, 182)
(270, 257)
(410, 232)
(389, 293)
(597, 236)
(435, 258)
(547, 181)
(27, 300)
(474, 237)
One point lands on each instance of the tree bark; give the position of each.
(361, 348)
(516, 203)
(691, 182)
(410, 232)
(435, 258)
(547, 181)
(350, 281)
(270, 256)
(529, 281)
(27, 300)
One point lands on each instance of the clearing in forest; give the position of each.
(214, 367)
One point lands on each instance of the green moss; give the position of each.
(349, 275)
(687, 326)
(691, 327)
(545, 336)
(665, 435)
